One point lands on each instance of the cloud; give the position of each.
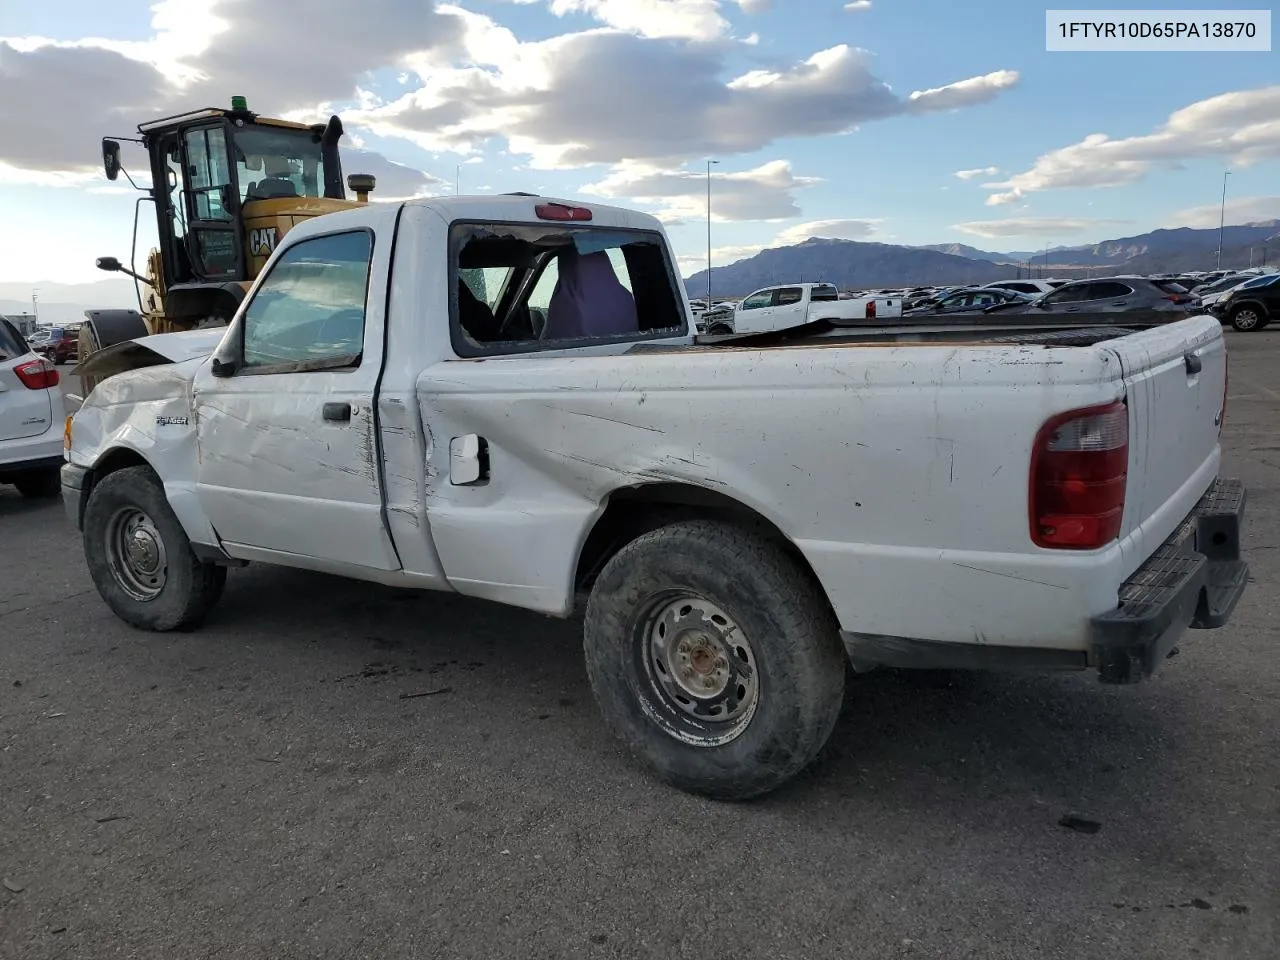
(1030, 226)
(977, 172)
(719, 257)
(201, 52)
(468, 81)
(395, 181)
(858, 5)
(755, 6)
(557, 100)
(1240, 127)
(1239, 210)
(827, 230)
(963, 93)
(656, 19)
(765, 193)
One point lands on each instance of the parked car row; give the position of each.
(1126, 294)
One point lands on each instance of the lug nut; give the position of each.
(708, 683)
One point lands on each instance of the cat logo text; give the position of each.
(262, 242)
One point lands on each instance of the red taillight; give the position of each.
(871, 309)
(561, 211)
(1079, 470)
(37, 374)
(1178, 298)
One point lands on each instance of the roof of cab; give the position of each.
(521, 207)
(504, 208)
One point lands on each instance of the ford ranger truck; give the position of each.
(502, 397)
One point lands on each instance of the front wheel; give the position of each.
(140, 558)
(714, 658)
(1246, 319)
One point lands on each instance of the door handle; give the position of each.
(338, 412)
(1194, 364)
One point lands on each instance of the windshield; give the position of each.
(276, 162)
(1259, 281)
(1226, 283)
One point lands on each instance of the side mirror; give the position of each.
(109, 264)
(111, 158)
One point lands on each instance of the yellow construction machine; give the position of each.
(226, 186)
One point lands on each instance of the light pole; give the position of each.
(1222, 217)
(457, 180)
(709, 163)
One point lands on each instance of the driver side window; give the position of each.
(309, 312)
(758, 300)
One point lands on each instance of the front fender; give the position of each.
(145, 416)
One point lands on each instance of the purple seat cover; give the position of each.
(588, 300)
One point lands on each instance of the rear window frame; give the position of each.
(460, 232)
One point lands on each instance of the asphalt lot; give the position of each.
(262, 788)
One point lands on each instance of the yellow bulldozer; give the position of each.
(226, 186)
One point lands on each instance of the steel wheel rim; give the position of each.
(702, 670)
(136, 554)
(1246, 319)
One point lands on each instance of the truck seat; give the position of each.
(588, 300)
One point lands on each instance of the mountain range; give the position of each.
(852, 264)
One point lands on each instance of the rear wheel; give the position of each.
(1247, 318)
(714, 658)
(140, 558)
(39, 484)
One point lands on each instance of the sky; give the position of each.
(899, 121)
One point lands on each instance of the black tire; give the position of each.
(719, 329)
(189, 587)
(39, 484)
(792, 637)
(1248, 318)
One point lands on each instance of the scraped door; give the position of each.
(288, 451)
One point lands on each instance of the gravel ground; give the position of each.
(273, 786)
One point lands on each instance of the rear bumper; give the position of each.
(32, 453)
(1194, 580)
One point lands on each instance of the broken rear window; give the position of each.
(522, 288)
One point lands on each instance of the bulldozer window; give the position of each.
(207, 164)
(272, 163)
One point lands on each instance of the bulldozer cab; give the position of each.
(214, 171)
(226, 186)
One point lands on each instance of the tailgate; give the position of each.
(1175, 378)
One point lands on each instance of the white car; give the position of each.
(1032, 288)
(32, 417)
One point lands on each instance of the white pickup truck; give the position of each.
(794, 304)
(501, 397)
